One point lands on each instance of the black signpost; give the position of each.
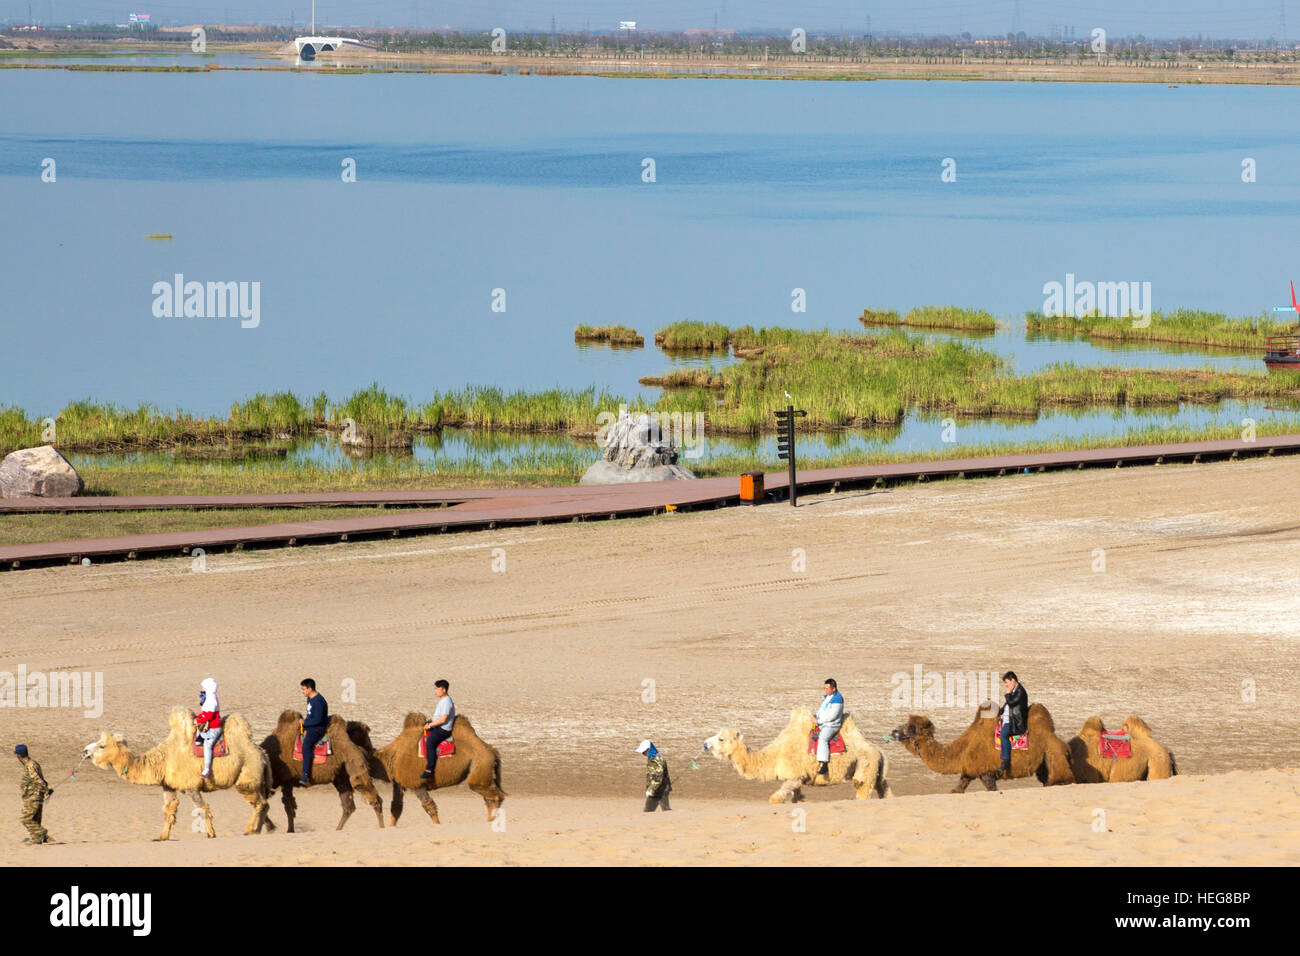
(785, 443)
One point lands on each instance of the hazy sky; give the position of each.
(1163, 18)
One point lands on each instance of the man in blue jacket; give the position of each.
(313, 727)
(830, 715)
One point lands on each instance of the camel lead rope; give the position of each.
(74, 770)
(72, 773)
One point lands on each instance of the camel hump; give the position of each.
(1135, 726)
(287, 718)
(414, 719)
(337, 727)
(181, 720)
(1093, 725)
(235, 725)
(1038, 714)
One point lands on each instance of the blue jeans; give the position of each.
(1006, 744)
(210, 738)
(310, 738)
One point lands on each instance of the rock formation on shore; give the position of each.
(38, 472)
(635, 450)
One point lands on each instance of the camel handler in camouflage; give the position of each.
(34, 791)
(657, 784)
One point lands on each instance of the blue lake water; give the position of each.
(533, 185)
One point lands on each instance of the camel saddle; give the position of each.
(219, 749)
(320, 754)
(835, 744)
(1018, 741)
(445, 749)
(1115, 745)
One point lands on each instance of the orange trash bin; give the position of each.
(751, 487)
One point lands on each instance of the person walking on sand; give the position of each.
(830, 715)
(35, 791)
(208, 722)
(1015, 717)
(313, 727)
(657, 783)
(439, 728)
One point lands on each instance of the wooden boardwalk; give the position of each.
(415, 512)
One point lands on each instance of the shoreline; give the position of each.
(694, 66)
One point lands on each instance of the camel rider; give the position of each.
(208, 721)
(313, 727)
(439, 728)
(830, 715)
(34, 791)
(657, 783)
(1015, 717)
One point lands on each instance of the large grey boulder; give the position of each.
(635, 450)
(38, 472)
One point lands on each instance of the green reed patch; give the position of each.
(693, 336)
(610, 334)
(1185, 326)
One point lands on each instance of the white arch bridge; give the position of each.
(308, 47)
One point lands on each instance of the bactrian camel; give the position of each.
(173, 766)
(347, 768)
(474, 762)
(973, 754)
(787, 759)
(1150, 761)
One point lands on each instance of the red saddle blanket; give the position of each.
(445, 749)
(836, 743)
(219, 749)
(321, 752)
(1116, 745)
(1018, 741)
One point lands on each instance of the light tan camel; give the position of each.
(348, 767)
(1150, 761)
(474, 762)
(173, 766)
(973, 755)
(787, 759)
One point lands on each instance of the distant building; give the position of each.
(627, 24)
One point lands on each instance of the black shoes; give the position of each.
(427, 775)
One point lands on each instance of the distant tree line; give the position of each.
(1012, 46)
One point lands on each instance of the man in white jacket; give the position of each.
(830, 715)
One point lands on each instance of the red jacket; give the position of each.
(211, 717)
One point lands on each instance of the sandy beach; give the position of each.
(1168, 592)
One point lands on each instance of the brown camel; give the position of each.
(173, 766)
(1150, 761)
(348, 767)
(973, 754)
(400, 763)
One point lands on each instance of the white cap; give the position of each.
(643, 746)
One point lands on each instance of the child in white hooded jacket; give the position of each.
(208, 721)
